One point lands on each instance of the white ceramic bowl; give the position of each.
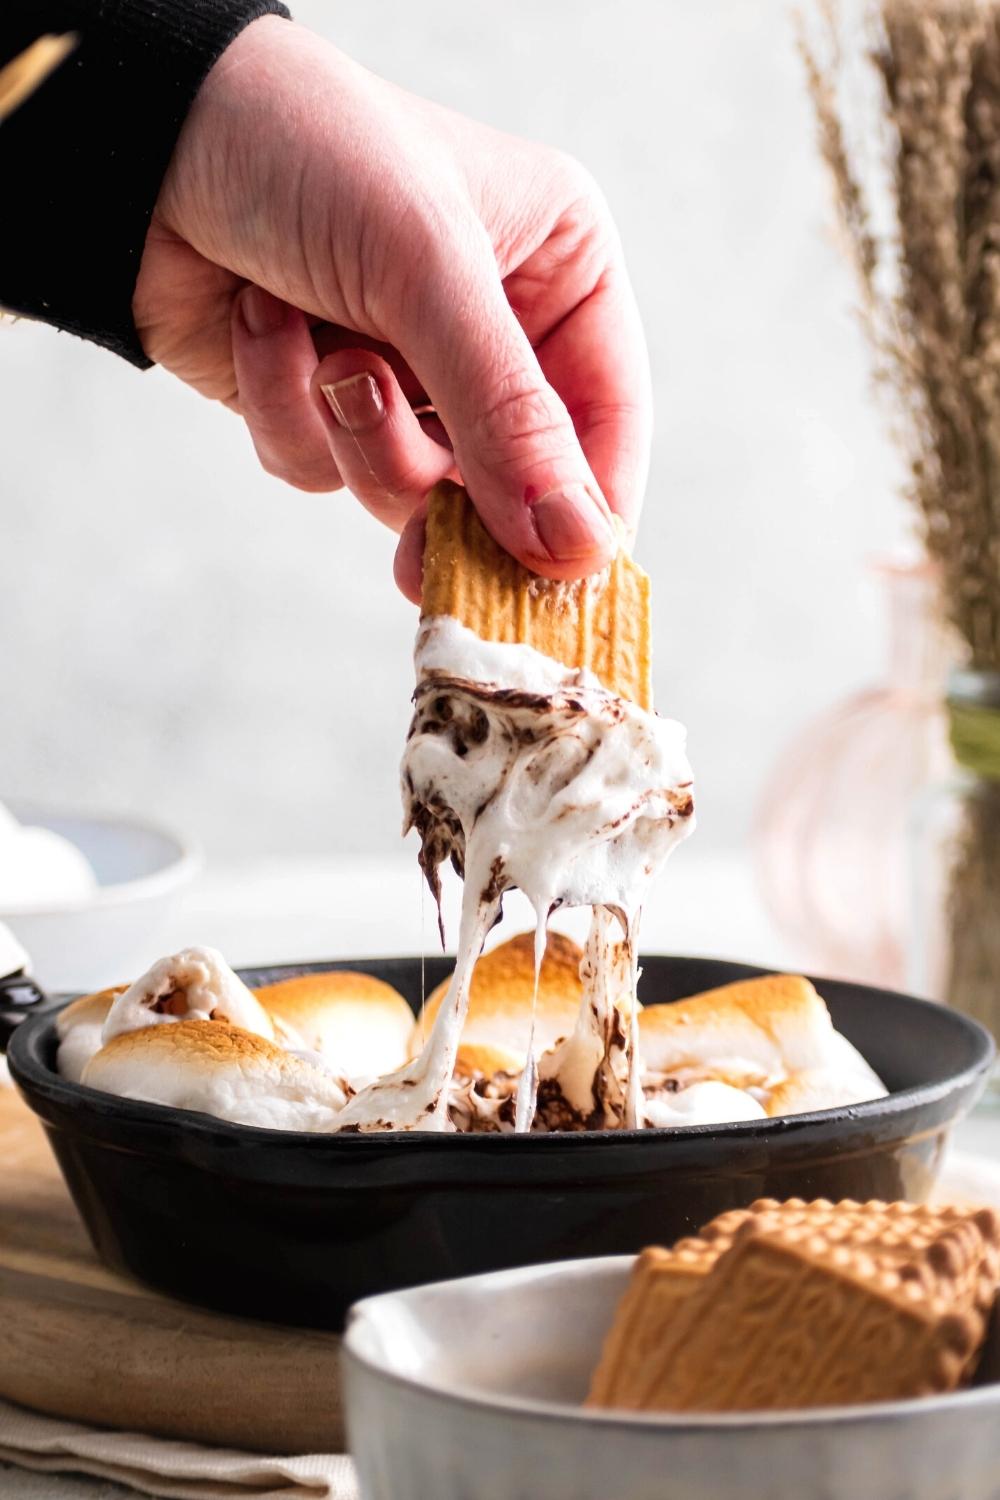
(116, 932)
(470, 1390)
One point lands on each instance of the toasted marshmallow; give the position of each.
(194, 985)
(220, 1070)
(819, 1088)
(760, 1035)
(357, 1025)
(79, 1027)
(708, 1103)
(500, 996)
(481, 1060)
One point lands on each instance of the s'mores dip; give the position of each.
(293, 1055)
(534, 759)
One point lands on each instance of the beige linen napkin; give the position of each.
(158, 1466)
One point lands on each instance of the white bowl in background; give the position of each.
(471, 1390)
(116, 932)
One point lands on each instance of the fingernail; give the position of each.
(355, 402)
(262, 313)
(570, 524)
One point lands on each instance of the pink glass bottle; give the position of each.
(832, 830)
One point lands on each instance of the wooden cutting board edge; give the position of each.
(82, 1342)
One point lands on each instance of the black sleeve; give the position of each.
(81, 162)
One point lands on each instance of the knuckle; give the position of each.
(586, 207)
(315, 477)
(578, 182)
(428, 237)
(622, 415)
(571, 171)
(517, 416)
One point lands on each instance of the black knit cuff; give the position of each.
(82, 161)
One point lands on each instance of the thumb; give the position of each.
(514, 440)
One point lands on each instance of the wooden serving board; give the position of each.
(79, 1341)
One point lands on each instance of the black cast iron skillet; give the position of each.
(294, 1227)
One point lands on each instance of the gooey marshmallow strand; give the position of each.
(527, 773)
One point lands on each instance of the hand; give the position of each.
(330, 253)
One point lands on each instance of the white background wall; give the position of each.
(181, 635)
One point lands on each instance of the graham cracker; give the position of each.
(806, 1304)
(601, 623)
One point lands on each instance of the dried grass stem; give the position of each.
(930, 284)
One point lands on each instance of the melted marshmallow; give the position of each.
(587, 1081)
(194, 985)
(707, 1103)
(524, 773)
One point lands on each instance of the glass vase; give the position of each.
(831, 836)
(955, 863)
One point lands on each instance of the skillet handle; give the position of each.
(20, 997)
